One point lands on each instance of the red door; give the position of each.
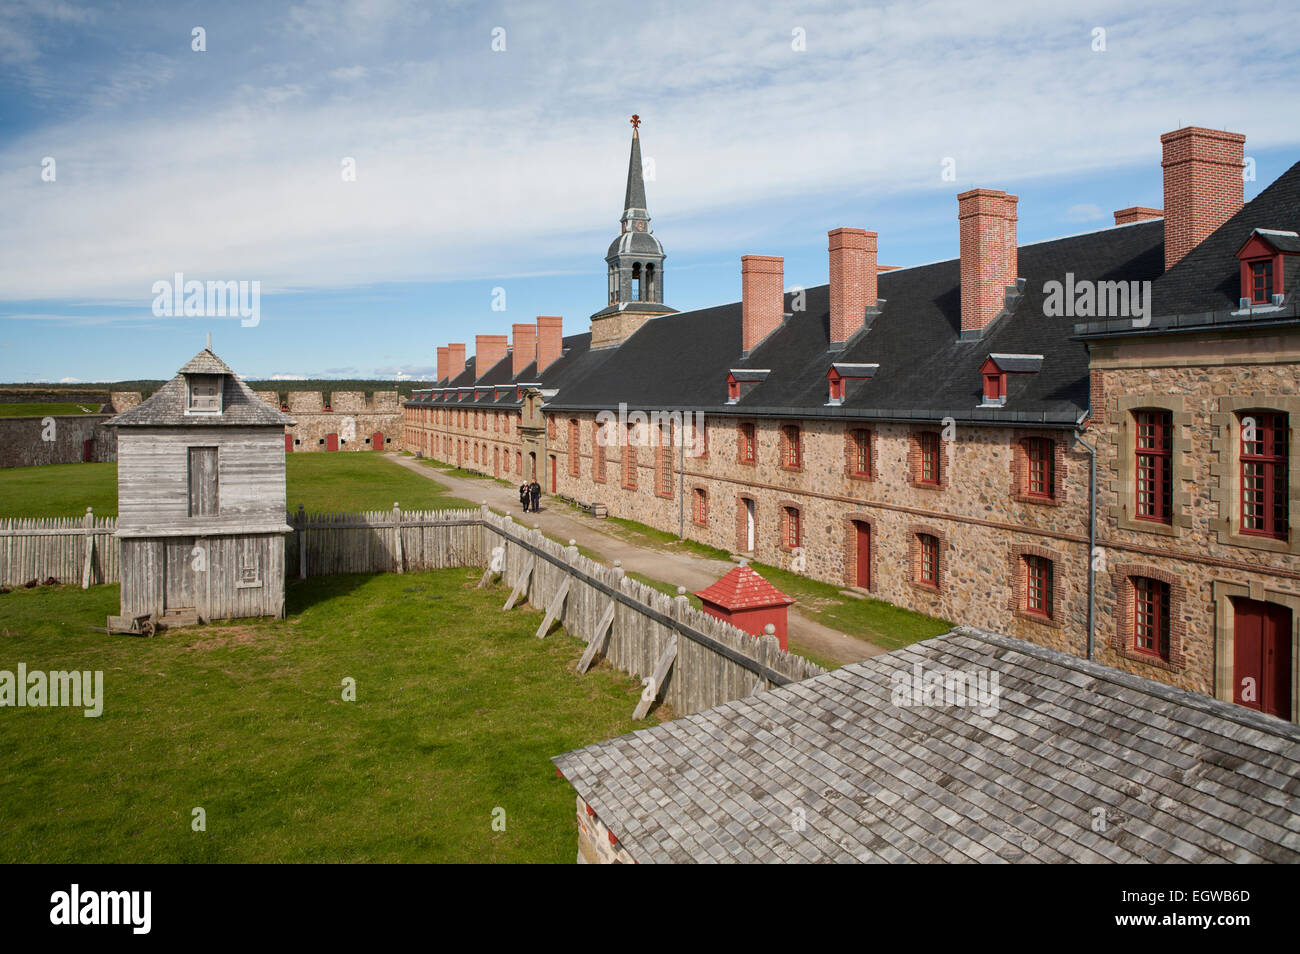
(1261, 650)
(288, 443)
(331, 442)
(863, 532)
(496, 462)
(554, 471)
(88, 450)
(377, 440)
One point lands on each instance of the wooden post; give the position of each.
(88, 524)
(301, 520)
(397, 530)
(769, 633)
(605, 625)
(657, 678)
(521, 583)
(556, 605)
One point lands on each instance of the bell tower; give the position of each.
(635, 263)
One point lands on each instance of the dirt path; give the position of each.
(681, 569)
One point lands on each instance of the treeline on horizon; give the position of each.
(324, 385)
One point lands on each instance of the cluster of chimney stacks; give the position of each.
(542, 343)
(1203, 188)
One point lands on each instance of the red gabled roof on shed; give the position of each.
(742, 588)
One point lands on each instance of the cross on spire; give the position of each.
(636, 122)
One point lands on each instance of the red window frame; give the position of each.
(861, 453)
(1151, 617)
(1039, 586)
(748, 444)
(995, 386)
(793, 446)
(1040, 467)
(575, 443)
(1261, 282)
(700, 505)
(1153, 465)
(1265, 491)
(597, 453)
(791, 527)
(931, 472)
(929, 568)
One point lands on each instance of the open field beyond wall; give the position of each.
(458, 708)
(333, 483)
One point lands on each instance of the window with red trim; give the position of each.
(1040, 465)
(861, 453)
(1154, 465)
(928, 571)
(1265, 451)
(930, 464)
(1151, 616)
(629, 457)
(700, 506)
(574, 446)
(1261, 282)
(748, 444)
(1038, 586)
(791, 527)
(793, 451)
(995, 386)
(597, 452)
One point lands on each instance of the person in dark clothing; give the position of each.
(524, 496)
(535, 493)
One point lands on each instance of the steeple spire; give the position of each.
(635, 264)
(635, 196)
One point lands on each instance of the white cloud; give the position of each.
(1084, 212)
(479, 165)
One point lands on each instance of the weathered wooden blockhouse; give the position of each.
(201, 499)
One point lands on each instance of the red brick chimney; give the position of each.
(455, 360)
(525, 350)
(1203, 185)
(1137, 213)
(762, 297)
(443, 361)
(989, 259)
(488, 352)
(550, 340)
(853, 280)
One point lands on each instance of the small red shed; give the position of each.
(746, 600)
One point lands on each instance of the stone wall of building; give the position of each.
(1206, 386)
(62, 438)
(351, 416)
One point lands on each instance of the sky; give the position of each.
(382, 167)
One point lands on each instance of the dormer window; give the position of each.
(1263, 266)
(842, 374)
(995, 387)
(204, 394)
(997, 367)
(1261, 282)
(733, 390)
(740, 381)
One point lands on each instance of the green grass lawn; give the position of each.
(458, 709)
(339, 482)
(23, 409)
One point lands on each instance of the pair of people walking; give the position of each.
(530, 496)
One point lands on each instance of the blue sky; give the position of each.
(479, 168)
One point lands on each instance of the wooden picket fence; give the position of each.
(69, 549)
(689, 660)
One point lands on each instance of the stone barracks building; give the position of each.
(927, 434)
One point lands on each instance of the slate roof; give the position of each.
(1180, 777)
(681, 362)
(1204, 288)
(240, 407)
(576, 359)
(743, 588)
